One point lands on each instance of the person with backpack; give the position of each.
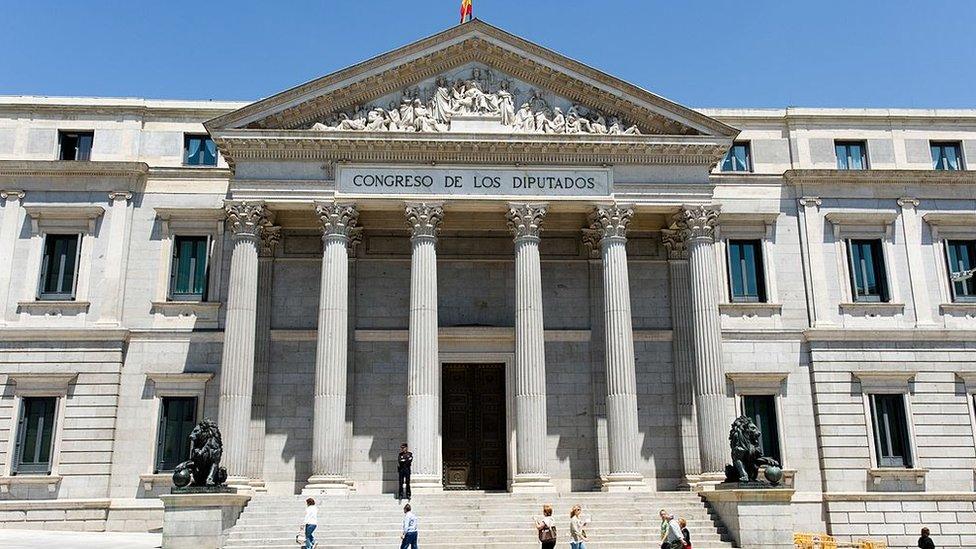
(546, 526)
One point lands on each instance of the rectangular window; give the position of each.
(199, 150)
(946, 156)
(746, 281)
(961, 255)
(75, 145)
(59, 269)
(761, 409)
(868, 279)
(188, 277)
(177, 417)
(851, 155)
(737, 159)
(890, 430)
(35, 435)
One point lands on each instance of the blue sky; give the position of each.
(746, 53)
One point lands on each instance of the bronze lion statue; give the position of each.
(747, 456)
(203, 468)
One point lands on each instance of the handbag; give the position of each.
(547, 533)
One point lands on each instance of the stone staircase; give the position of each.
(475, 519)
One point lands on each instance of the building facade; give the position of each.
(539, 276)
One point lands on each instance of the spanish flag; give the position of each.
(465, 11)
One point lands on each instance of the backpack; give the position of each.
(547, 533)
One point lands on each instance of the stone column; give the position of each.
(113, 276)
(246, 221)
(812, 235)
(608, 230)
(339, 231)
(262, 356)
(681, 351)
(911, 226)
(696, 225)
(531, 432)
(423, 359)
(8, 241)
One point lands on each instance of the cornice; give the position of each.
(479, 42)
(72, 168)
(469, 148)
(881, 177)
(189, 173)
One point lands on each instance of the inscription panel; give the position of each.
(458, 182)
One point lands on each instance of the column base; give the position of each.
(321, 485)
(242, 485)
(426, 484)
(624, 482)
(704, 481)
(257, 485)
(532, 484)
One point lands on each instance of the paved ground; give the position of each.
(32, 539)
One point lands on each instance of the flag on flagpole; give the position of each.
(465, 11)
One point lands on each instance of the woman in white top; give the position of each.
(311, 521)
(546, 527)
(577, 536)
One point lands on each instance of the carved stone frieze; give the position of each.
(696, 222)
(675, 244)
(424, 219)
(339, 220)
(606, 222)
(525, 220)
(247, 219)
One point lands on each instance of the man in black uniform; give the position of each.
(403, 471)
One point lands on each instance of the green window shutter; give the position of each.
(188, 279)
(21, 435)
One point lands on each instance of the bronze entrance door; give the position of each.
(475, 450)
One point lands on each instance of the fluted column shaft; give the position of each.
(423, 362)
(681, 351)
(697, 226)
(262, 355)
(531, 429)
(331, 351)
(246, 221)
(608, 229)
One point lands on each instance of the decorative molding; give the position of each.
(424, 219)
(880, 474)
(247, 219)
(525, 220)
(882, 381)
(51, 481)
(696, 222)
(607, 223)
(191, 214)
(749, 309)
(339, 220)
(270, 238)
(179, 383)
(966, 219)
(810, 201)
(9, 194)
(64, 212)
(965, 309)
(871, 309)
(55, 308)
(745, 383)
(38, 383)
(908, 202)
(862, 217)
(201, 310)
(763, 218)
(120, 195)
(883, 177)
(676, 246)
(72, 168)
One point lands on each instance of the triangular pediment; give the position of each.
(472, 77)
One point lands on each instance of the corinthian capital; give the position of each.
(607, 222)
(270, 237)
(339, 220)
(424, 219)
(696, 222)
(247, 219)
(675, 245)
(525, 220)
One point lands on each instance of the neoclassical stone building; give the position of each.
(541, 277)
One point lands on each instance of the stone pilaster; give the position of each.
(246, 221)
(115, 256)
(531, 432)
(681, 350)
(262, 356)
(12, 215)
(696, 225)
(423, 362)
(339, 231)
(911, 225)
(812, 235)
(608, 231)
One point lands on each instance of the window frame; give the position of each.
(42, 385)
(907, 461)
(186, 141)
(762, 383)
(748, 226)
(878, 264)
(760, 268)
(59, 296)
(947, 143)
(77, 133)
(203, 297)
(46, 220)
(18, 467)
(158, 465)
(890, 382)
(175, 222)
(847, 143)
(748, 147)
(776, 411)
(948, 269)
(866, 225)
(172, 384)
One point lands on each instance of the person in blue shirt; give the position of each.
(409, 536)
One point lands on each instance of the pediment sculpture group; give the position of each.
(469, 97)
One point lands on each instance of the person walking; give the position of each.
(311, 522)
(409, 536)
(404, 460)
(577, 534)
(546, 528)
(671, 536)
(685, 532)
(925, 542)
